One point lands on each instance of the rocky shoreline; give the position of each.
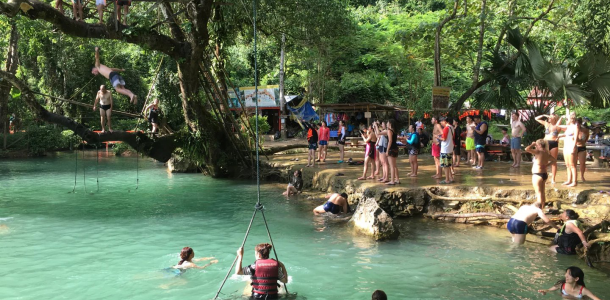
(477, 205)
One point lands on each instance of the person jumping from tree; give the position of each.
(104, 97)
(112, 74)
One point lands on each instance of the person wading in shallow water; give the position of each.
(265, 272)
(517, 225)
(573, 286)
(335, 204)
(570, 235)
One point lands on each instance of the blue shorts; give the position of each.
(480, 148)
(172, 272)
(332, 208)
(116, 79)
(323, 143)
(515, 143)
(516, 226)
(382, 149)
(313, 146)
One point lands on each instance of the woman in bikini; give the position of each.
(572, 131)
(573, 286)
(382, 148)
(581, 146)
(370, 139)
(392, 153)
(542, 158)
(551, 135)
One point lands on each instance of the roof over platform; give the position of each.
(361, 106)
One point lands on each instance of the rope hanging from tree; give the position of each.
(258, 207)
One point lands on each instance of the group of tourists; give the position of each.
(100, 5)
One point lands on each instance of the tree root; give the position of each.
(443, 198)
(472, 215)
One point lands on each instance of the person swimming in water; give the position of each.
(187, 260)
(573, 286)
(335, 204)
(264, 272)
(517, 225)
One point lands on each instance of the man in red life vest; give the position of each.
(265, 272)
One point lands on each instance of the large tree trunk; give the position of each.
(5, 89)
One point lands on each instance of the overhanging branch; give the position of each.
(36, 10)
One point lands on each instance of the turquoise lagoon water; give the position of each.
(114, 243)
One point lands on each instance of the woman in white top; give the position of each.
(572, 132)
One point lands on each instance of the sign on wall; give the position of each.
(268, 96)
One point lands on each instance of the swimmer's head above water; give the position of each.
(186, 254)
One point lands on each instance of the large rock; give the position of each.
(178, 164)
(371, 220)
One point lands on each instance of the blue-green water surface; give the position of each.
(114, 243)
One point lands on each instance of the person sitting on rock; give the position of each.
(335, 204)
(296, 185)
(517, 225)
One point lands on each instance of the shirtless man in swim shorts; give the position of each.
(104, 97)
(517, 225)
(112, 74)
(335, 204)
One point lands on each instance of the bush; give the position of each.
(120, 148)
(263, 127)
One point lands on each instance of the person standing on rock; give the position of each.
(472, 156)
(341, 134)
(542, 159)
(517, 225)
(551, 135)
(517, 131)
(370, 139)
(312, 141)
(382, 149)
(480, 137)
(446, 139)
(436, 147)
(335, 204)
(324, 136)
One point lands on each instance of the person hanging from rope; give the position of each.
(335, 204)
(104, 97)
(264, 273)
(112, 74)
(153, 115)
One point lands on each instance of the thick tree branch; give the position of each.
(37, 10)
(159, 149)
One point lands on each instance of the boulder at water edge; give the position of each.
(371, 220)
(178, 164)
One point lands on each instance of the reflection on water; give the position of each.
(114, 244)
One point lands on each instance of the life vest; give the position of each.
(264, 280)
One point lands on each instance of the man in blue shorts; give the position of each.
(335, 204)
(517, 225)
(480, 136)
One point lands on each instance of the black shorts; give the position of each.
(105, 107)
(393, 152)
(566, 251)
(457, 150)
(581, 149)
(553, 144)
(341, 142)
(123, 3)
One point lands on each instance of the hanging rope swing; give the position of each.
(258, 207)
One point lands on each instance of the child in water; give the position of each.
(573, 286)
